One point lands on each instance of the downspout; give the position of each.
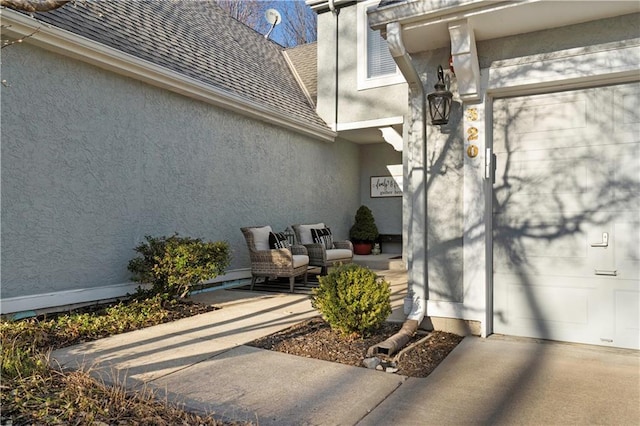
(415, 301)
(336, 12)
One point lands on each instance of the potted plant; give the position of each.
(364, 231)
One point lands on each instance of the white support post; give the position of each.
(465, 60)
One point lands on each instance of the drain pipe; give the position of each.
(335, 11)
(415, 301)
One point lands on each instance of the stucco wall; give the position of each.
(376, 160)
(92, 162)
(587, 34)
(354, 105)
(444, 188)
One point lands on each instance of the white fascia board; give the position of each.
(66, 43)
(411, 14)
(320, 6)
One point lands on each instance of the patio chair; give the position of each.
(285, 260)
(323, 251)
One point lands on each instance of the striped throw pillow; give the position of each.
(323, 236)
(277, 240)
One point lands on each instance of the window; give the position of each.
(376, 66)
(379, 59)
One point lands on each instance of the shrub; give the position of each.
(173, 265)
(364, 228)
(352, 299)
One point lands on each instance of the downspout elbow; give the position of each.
(333, 8)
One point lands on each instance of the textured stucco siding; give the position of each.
(354, 105)
(581, 35)
(444, 187)
(375, 160)
(92, 162)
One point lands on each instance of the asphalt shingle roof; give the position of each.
(305, 60)
(197, 39)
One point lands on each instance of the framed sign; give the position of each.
(386, 186)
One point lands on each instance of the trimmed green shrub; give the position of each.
(364, 228)
(172, 265)
(352, 299)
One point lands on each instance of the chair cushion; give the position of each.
(261, 237)
(305, 232)
(300, 260)
(335, 254)
(323, 236)
(277, 240)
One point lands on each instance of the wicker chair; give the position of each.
(319, 255)
(268, 263)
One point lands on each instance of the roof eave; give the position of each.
(69, 44)
(321, 6)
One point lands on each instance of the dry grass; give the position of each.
(55, 397)
(33, 393)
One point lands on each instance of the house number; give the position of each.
(472, 133)
(472, 114)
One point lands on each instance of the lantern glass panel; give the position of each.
(439, 108)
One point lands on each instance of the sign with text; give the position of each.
(386, 186)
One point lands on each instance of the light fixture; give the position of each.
(440, 101)
(291, 237)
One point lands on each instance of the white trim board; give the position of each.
(85, 295)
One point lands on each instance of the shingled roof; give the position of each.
(304, 59)
(196, 39)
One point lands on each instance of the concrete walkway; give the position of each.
(203, 363)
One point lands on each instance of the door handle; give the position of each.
(605, 241)
(607, 272)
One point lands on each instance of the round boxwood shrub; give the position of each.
(352, 299)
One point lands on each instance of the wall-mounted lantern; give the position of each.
(440, 101)
(291, 236)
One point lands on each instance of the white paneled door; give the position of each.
(566, 216)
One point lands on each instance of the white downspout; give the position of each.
(336, 12)
(416, 180)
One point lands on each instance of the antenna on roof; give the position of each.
(273, 17)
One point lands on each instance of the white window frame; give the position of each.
(365, 82)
